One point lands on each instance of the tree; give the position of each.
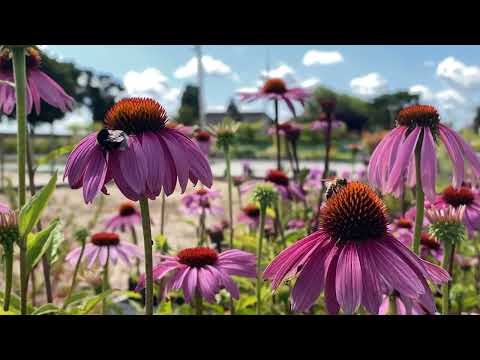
(385, 108)
(233, 112)
(188, 113)
(476, 122)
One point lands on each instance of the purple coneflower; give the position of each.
(354, 258)
(321, 124)
(128, 216)
(418, 129)
(105, 246)
(402, 229)
(296, 224)
(138, 152)
(204, 141)
(250, 215)
(39, 85)
(287, 189)
(202, 272)
(430, 247)
(201, 200)
(403, 306)
(462, 196)
(276, 89)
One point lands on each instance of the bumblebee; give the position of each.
(112, 139)
(334, 186)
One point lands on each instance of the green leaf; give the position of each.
(91, 303)
(54, 154)
(32, 211)
(77, 297)
(46, 309)
(57, 237)
(15, 303)
(39, 243)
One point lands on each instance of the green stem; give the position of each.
(105, 285)
(279, 221)
(147, 239)
(75, 272)
(201, 228)
(392, 305)
(447, 263)
(198, 305)
(162, 220)
(420, 198)
(230, 201)
(277, 134)
(8, 248)
(20, 76)
(261, 230)
(135, 241)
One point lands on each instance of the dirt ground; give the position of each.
(69, 206)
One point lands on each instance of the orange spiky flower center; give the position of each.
(32, 61)
(252, 211)
(354, 213)
(275, 86)
(404, 223)
(458, 197)
(277, 177)
(136, 116)
(418, 115)
(201, 191)
(429, 241)
(202, 136)
(198, 257)
(105, 239)
(127, 209)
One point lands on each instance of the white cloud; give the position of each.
(316, 57)
(150, 79)
(216, 108)
(311, 82)
(457, 73)
(153, 84)
(369, 85)
(425, 93)
(283, 71)
(247, 90)
(211, 66)
(450, 99)
(42, 47)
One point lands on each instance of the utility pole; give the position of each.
(200, 75)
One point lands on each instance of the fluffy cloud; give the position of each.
(425, 93)
(316, 57)
(153, 84)
(369, 85)
(457, 73)
(450, 99)
(283, 71)
(211, 66)
(309, 83)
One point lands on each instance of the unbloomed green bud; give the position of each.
(81, 235)
(265, 194)
(9, 233)
(447, 225)
(225, 132)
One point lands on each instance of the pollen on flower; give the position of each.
(355, 213)
(202, 136)
(277, 177)
(105, 239)
(404, 223)
(429, 241)
(275, 86)
(197, 257)
(126, 209)
(457, 197)
(252, 211)
(33, 59)
(418, 115)
(201, 191)
(136, 116)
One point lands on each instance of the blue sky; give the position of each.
(446, 76)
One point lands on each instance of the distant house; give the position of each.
(248, 117)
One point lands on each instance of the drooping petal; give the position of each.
(428, 164)
(468, 152)
(95, 172)
(348, 281)
(454, 151)
(371, 291)
(155, 161)
(132, 165)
